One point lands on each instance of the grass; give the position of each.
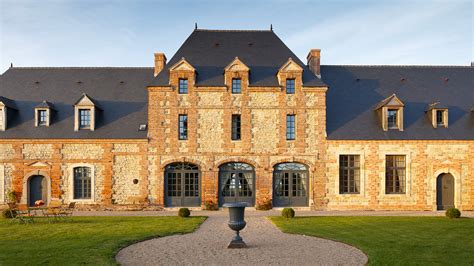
(394, 240)
(85, 240)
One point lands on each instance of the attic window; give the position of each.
(392, 116)
(440, 117)
(2, 118)
(85, 112)
(142, 127)
(42, 117)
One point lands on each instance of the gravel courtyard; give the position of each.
(266, 245)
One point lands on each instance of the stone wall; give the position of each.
(113, 167)
(425, 161)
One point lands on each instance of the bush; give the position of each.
(453, 213)
(184, 212)
(7, 214)
(264, 205)
(288, 213)
(210, 206)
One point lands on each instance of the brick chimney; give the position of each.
(160, 62)
(314, 61)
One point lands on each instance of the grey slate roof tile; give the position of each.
(124, 105)
(354, 90)
(210, 51)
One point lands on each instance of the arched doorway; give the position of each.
(37, 189)
(445, 191)
(182, 185)
(236, 183)
(290, 185)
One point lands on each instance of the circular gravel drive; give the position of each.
(266, 245)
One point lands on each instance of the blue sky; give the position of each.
(127, 33)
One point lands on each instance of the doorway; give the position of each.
(37, 189)
(445, 191)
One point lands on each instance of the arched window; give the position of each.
(182, 185)
(82, 182)
(290, 185)
(236, 183)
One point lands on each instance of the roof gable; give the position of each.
(182, 65)
(290, 65)
(236, 65)
(86, 100)
(391, 101)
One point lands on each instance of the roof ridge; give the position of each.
(220, 30)
(87, 67)
(407, 66)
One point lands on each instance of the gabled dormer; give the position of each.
(6, 106)
(290, 76)
(390, 112)
(438, 115)
(43, 114)
(85, 113)
(182, 75)
(235, 74)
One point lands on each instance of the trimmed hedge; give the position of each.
(453, 213)
(184, 212)
(288, 213)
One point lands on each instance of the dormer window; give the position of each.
(43, 113)
(6, 105)
(290, 86)
(183, 86)
(438, 115)
(236, 86)
(2, 118)
(392, 118)
(85, 113)
(390, 112)
(42, 117)
(84, 118)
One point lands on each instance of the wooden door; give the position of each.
(445, 192)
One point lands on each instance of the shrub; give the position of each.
(264, 205)
(453, 213)
(210, 206)
(184, 212)
(288, 213)
(11, 196)
(7, 214)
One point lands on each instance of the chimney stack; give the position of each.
(160, 62)
(314, 61)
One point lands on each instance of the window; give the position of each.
(42, 118)
(392, 118)
(82, 183)
(349, 174)
(183, 86)
(84, 118)
(440, 117)
(1, 119)
(290, 127)
(235, 127)
(236, 86)
(290, 86)
(183, 127)
(395, 174)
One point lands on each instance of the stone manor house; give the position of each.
(236, 116)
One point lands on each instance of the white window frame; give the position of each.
(71, 183)
(3, 116)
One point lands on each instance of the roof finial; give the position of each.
(271, 27)
(11, 65)
(195, 25)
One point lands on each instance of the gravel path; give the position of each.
(266, 245)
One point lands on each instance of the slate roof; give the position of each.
(121, 93)
(354, 92)
(210, 51)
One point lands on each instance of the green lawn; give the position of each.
(394, 240)
(85, 240)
